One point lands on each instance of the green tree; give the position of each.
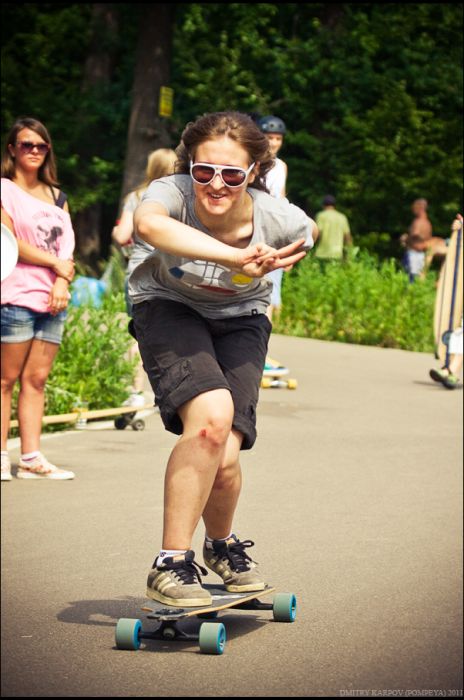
(147, 129)
(371, 94)
(71, 67)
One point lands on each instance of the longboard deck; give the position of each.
(448, 302)
(222, 600)
(86, 415)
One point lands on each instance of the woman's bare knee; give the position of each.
(209, 416)
(34, 381)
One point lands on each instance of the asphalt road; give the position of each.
(353, 496)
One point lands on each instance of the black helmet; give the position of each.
(272, 125)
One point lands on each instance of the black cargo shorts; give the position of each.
(185, 354)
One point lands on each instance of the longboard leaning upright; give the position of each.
(448, 302)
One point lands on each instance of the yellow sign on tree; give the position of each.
(165, 102)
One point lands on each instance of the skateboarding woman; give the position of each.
(199, 316)
(35, 295)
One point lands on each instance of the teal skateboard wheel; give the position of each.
(127, 634)
(212, 638)
(284, 607)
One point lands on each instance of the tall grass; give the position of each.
(360, 300)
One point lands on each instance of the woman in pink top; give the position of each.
(35, 295)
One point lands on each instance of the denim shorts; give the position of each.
(185, 354)
(19, 324)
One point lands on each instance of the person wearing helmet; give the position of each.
(276, 180)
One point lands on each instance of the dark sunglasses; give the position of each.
(28, 147)
(204, 173)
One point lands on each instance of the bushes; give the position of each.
(92, 364)
(360, 300)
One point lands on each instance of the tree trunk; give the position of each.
(147, 130)
(98, 71)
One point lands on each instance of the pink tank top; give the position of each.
(44, 226)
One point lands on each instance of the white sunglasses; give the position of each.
(204, 173)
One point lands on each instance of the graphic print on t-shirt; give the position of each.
(48, 232)
(50, 239)
(211, 276)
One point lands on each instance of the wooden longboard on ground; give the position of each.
(127, 415)
(277, 381)
(211, 635)
(448, 301)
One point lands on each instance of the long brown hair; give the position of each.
(235, 125)
(47, 171)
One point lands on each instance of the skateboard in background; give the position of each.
(275, 376)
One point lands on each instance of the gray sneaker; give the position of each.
(229, 560)
(177, 582)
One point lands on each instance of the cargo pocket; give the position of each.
(174, 389)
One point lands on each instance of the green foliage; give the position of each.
(46, 74)
(371, 94)
(92, 365)
(380, 244)
(358, 301)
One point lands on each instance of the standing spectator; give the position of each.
(35, 295)
(334, 231)
(276, 184)
(160, 163)
(417, 239)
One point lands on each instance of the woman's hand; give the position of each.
(64, 268)
(259, 259)
(59, 296)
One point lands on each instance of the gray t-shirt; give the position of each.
(213, 290)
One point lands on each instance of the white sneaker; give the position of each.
(41, 468)
(136, 400)
(6, 468)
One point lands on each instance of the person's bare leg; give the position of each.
(193, 464)
(31, 397)
(228, 558)
(219, 511)
(139, 376)
(13, 356)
